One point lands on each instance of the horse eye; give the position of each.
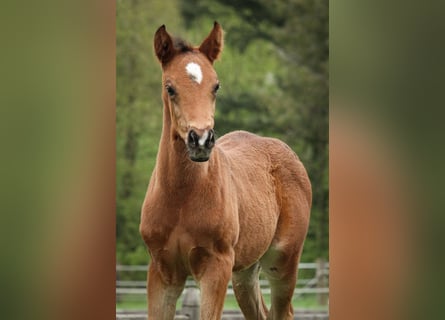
(171, 92)
(216, 88)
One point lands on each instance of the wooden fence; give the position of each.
(190, 300)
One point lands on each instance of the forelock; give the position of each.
(181, 45)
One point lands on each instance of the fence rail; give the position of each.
(230, 292)
(316, 285)
(191, 283)
(302, 265)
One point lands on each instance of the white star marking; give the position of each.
(194, 72)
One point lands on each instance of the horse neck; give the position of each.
(174, 167)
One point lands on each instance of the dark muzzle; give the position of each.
(200, 143)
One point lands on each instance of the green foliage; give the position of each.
(274, 82)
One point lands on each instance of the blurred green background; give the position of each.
(274, 82)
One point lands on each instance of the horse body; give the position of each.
(226, 213)
(266, 174)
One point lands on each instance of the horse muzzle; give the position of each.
(200, 144)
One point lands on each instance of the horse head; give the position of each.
(190, 84)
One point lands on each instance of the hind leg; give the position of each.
(281, 299)
(280, 262)
(281, 270)
(247, 292)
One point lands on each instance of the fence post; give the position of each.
(322, 281)
(191, 303)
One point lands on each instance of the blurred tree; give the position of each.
(139, 115)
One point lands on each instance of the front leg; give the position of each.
(212, 271)
(162, 294)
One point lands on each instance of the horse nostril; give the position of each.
(193, 138)
(210, 142)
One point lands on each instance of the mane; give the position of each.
(182, 45)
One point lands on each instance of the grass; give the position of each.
(138, 302)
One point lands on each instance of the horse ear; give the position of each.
(213, 45)
(163, 45)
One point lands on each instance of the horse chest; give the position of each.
(183, 247)
(181, 225)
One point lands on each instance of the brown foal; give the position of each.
(218, 210)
